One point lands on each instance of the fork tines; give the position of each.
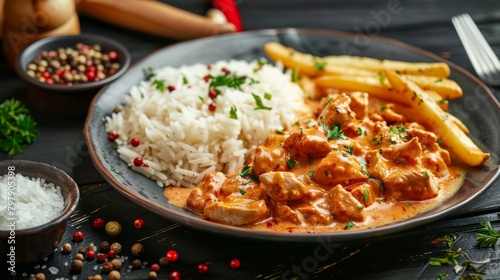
(482, 57)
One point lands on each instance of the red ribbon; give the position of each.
(230, 11)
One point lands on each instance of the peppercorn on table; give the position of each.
(140, 244)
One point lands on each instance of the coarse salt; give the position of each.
(35, 202)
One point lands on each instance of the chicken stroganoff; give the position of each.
(358, 165)
(366, 158)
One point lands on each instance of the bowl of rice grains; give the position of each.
(38, 200)
(63, 73)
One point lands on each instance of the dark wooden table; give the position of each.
(425, 24)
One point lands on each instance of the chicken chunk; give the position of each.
(376, 164)
(390, 116)
(410, 185)
(269, 159)
(312, 142)
(408, 151)
(337, 167)
(281, 186)
(236, 211)
(359, 104)
(304, 214)
(338, 112)
(344, 206)
(435, 164)
(206, 192)
(426, 138)
(366, 193)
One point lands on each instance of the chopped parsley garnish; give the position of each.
(346, 154)
(381, 77)
(268, 96)
(366, 195)
(291, 53)
(149, 73)
(364, 169)
(185, 81)
(349, 148)
(17, 127)
(426, 175)
(245, 171)
(291, 163)
(201, 98)
(311, 173)
(319, 64)
(334, 133)
(155, 196)
(253, 81)
(349, 225)
(360, 131)
(159, 85)
(449, 257)
(443, 101)
(383, 107)
(260, 105)
(225, 80)
(232, 113)
(394, 140)
(438, 80)
(487, 236)
(442, 276)
(377, 141)
(295, 76)
(279, 132)
(242, 191)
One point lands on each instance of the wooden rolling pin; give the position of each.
(153, 17)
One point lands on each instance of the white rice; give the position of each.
(181, 140)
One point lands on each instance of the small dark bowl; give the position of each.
(62, 100)
(34, 244)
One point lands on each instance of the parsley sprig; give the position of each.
(226, 80)
(487, 236)
(258, 102)
(17, 127)
(334, 133)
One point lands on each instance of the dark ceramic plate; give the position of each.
(478, 109)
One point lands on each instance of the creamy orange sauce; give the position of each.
(379, 214)
(375, 168)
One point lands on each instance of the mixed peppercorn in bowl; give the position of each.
(63, 73)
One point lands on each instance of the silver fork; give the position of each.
(482, 57)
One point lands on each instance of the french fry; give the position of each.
(453, 137)
(435, 69)
(413, 115)
(376, 87)
(448, 89)
(311, 66)
(306, 64)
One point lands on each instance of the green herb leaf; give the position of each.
(383, 107)
(279, 132)
(245, 171)
(381, 78)
(377, 141)
(364, 169)
(17, 127)
(185, 81)
(232, 113)
(349, 148)
(295, 76)
(442, 276)
(149, 73)
(268, 96)
(360, 130)
(426, 175)
(334, 133)
(349, 225)
(159, 85)
(225, 80)
(487, 236)
(311, 173)
(242, 191)
(443, 101)
(319, 64)
(366, 195)
(449, 257)
(291, 163)
(260, 105)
